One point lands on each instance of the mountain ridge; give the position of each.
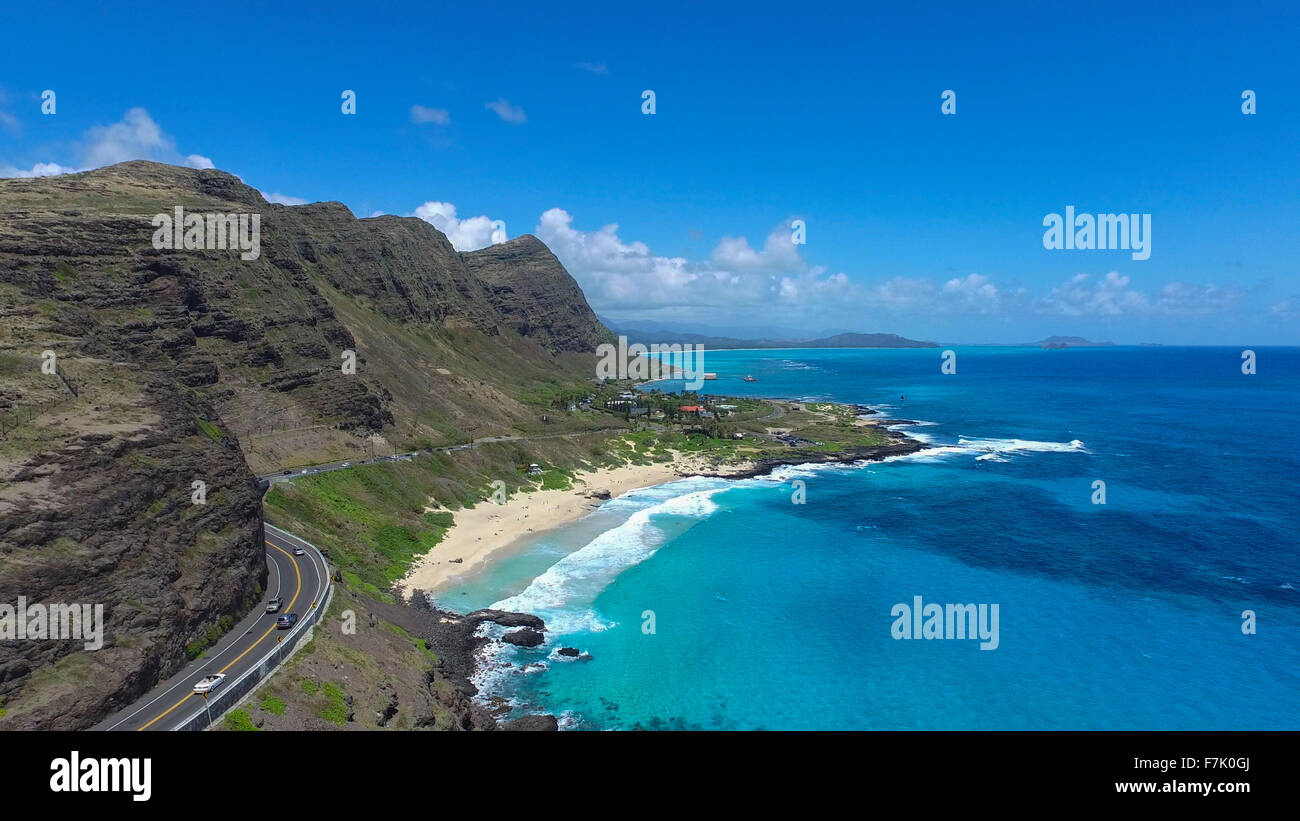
(178, 366)
(841, 340)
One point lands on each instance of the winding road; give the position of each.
(299, 580)
(294, 473)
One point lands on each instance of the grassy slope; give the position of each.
(451, 385)
(373, 520)
(343, 680)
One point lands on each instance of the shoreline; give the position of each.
(489, 532)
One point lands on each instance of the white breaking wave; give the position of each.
(984, 450)
(577, 579)
(794, 365)
(991, 450)
(805, 470)
(906, 430)
(493, 667)
(565, 593)
(568, 720)
(1020, 445)
(583, 574)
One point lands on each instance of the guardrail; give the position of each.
(221, 703)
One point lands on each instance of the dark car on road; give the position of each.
(286, 621)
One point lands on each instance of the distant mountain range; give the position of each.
(1066, 342)
(650, 332)
(842, 340)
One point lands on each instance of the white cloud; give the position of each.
(438, 116)
(627, 276)
(903, 294)
(617, 274)
(468, 234)
(779, 254)
(283, 199)
(972, 294)
(1286, 310)
(510, 113)
(41, 169)
(594, 68)
(1081, 296)
(1180, 298)
(920, 296)
(1110, 296)
(135, 137)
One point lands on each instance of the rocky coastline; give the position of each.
(454, 636)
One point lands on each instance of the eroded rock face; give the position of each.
(106, 517)
(169, 366)
(536, 296)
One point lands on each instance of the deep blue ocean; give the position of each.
(775, 615)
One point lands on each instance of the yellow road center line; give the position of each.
(298, 573)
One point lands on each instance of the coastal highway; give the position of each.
(285, 476)
(300, 580)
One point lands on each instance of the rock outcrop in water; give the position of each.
(524, 638)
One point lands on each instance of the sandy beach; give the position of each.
(489, 528)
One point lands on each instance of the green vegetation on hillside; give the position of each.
(377, 675)
(374, 520)
(210, 637)
(239, 721)
(273, 705)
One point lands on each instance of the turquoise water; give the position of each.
(769, 614)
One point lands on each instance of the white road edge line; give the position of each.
(276, 563)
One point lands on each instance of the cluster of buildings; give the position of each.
(634, 403)
(707, 409)
(628, 402)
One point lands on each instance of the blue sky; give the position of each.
(918, 223)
